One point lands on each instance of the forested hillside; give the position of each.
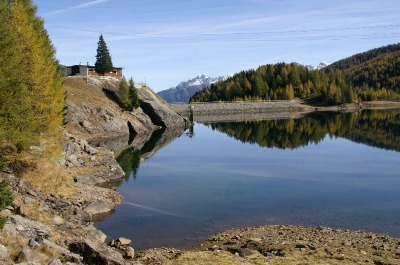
(280, 82)
(374, 74)
(371, 75)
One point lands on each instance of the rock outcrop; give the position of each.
(94, 114)
(159, 111)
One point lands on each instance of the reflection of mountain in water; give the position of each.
(372, 127)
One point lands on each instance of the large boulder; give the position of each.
(158, 111)
(102, 121)
(99, 207)
(96, 254)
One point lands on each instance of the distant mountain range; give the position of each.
(318, 67)
(185, 90)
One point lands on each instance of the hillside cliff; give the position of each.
(93, 114)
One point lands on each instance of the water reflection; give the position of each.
(188, 188)
(374, 128)
(130, 158)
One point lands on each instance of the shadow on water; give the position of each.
(377, 128)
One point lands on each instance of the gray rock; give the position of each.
(75, 161)
(96, 235)
(19, 225)
(33, 244)
(58, 220)
(159, 112)
(248, 253)
(33, 193)
(56, 262)
(82, 216)
(70, 148)
(27, 254)
(3, 253)
(9, 229)
(5, 212)
(96, 254)
(124, 241)
(90, 150)
(28, 200)
(99, 207)
(129, 253)
(85, 124)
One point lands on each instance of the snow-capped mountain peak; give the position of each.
(322, 65)
(319, 66)
(186, 89)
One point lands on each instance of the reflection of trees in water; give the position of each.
(374, 128)
(129, 160)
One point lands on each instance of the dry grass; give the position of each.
(81, 92)
(43, 254)
(49, 177)
(208, 258)
(13, 243)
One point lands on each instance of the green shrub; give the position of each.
(6, 199)
(2, 164)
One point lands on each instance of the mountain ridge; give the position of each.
(186, 89)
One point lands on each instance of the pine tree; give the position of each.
(133, 95)
(123, 92)
(103, 58)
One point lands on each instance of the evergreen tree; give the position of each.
(6, 198)
(123, 92)
(128, 97)
(103, 58)
(133, 96)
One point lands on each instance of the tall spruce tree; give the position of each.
(103, 58)
(128, 97)
(123, 93)
(133, 95)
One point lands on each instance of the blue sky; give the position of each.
(165, 42)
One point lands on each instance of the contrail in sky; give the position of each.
(81, 6)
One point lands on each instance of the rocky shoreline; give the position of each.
(52, 217)
(57, 227)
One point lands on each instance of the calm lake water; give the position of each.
(336, 170)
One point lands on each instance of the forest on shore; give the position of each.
(367, 76)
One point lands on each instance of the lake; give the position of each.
(327, 169)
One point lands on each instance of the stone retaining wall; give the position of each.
(242, 110)
(220, 108)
